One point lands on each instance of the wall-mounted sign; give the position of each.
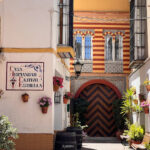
(25, 76)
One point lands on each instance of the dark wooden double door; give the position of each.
(99, 116)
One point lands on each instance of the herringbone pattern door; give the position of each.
(99, 116)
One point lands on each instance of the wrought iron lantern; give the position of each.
(77, 67)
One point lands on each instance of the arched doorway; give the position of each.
(100, 94)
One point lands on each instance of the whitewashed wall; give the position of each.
(137, 80)
(28, 23)
(148, 26)
(61, 116)
(27, 117)
(31, 24)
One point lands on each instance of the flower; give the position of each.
(68, 95)
(58, 81)
(45, 101)
(145, 104)
(1, 92)
(147, 82)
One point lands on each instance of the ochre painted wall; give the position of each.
(101, 5)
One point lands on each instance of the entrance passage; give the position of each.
(99, 116)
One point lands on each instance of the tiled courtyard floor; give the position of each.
(103, 143)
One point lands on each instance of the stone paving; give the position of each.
(103, 143)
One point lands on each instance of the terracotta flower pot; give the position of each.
(55, 88)
(130, 142)
(148, 87)
(135, 101)
(136, 142)
(44, 110)
(25, 97)
(65, 100)
(146, 110)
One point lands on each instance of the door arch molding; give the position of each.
(99, 81)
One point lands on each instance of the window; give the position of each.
(65, 22)
(87, 47)
(83, 47)
(114, 48)
(118, 48)
(78, 46)
(109, 47)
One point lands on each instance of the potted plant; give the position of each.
(25, 97)
(136, 133)
(66, 97)
(126, 108)
(147, 84)
(119, 119)
(1, 92)
(7, 134)
(145, 106)
(133, 89)
(77, 128)
(57, 82)
(44, 102)
(147, 146)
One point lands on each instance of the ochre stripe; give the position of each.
(109, 28)
(94, 23)
(98, 52)
(98, 41)
(101, 56)
(28, 50)
(102, 26)
(99, 67)
(98, 61)
(98, 45)
(98, 71)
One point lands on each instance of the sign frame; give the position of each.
(25, 89)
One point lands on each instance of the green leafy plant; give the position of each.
(137, 108)
(147, 145)
(133, 89)
(79, 105)
(128, 106)
(118, 117)
(7, 134)
(135, 132)
(76, 123)
(127, 103)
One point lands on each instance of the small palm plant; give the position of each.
(7, 134)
